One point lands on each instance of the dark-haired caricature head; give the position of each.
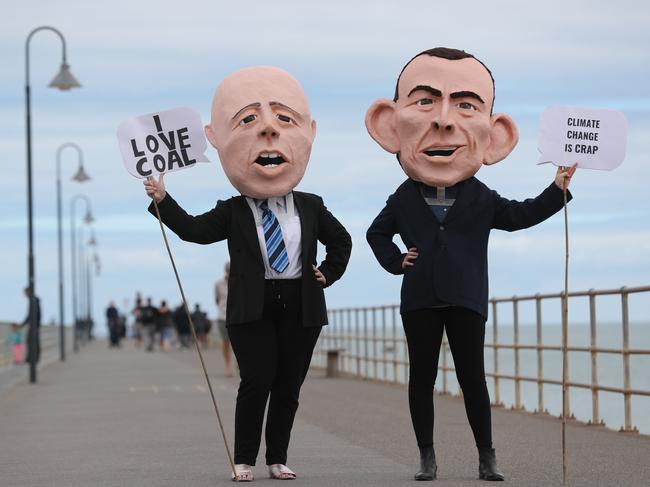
(440, 122)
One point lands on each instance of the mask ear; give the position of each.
(313, 130)
(209, 134)
(503, 138)
(380, 122)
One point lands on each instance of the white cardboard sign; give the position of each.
(162, 142)
(594, 138)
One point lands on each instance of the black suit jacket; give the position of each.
(233, 220)
(452, 261)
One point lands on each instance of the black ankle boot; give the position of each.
(428, 467)
(487, 465)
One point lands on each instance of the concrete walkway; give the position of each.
(129, 418)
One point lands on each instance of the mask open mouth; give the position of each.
(270, 159)
(440, 151)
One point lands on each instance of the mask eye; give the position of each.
(247, 119)
(424, 101)
(285, 118)
(465, 105)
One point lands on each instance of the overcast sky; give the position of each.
(136, 57)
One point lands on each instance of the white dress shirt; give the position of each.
(285, 212)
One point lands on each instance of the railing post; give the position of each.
(595, 413)
(540, 359)
(339, 338)
(394, 325)
(358, 340)
(627, 397)
(374, 343)
(350, 343)
(566, 396)
(515, 324)
(495, 342)
(339, 330)
(332, 330)
(366, 356)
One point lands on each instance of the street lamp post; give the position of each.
(80, 177)
(85, 289)
(94, 260)
(83, 310)
(63, 81)
(73, 249)
(89, 301)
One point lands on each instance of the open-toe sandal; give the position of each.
(244, 473)
(281, 472)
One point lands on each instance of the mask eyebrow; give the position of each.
(466, 94)
(428, 89)
(278, 104)
(250, 105)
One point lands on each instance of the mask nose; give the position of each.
(441, 121)
(268, 131)
(441, 125)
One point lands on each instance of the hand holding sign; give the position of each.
(162, 142)
(593, 138)
(563, 176)
(155, 189)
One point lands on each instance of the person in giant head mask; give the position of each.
(441, 127)
(263, 131)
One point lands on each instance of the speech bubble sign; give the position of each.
(594, 138)
(162, 142)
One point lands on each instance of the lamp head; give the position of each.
(81, 176)
(89, 217)
(64, 80)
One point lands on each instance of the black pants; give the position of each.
(273, 356)
(114, 332)
(466, 334)
(36, 352)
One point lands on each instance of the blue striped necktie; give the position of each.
(275, 248)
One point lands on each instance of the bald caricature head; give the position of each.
(440, 122)
(262, 130)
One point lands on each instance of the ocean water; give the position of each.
(363, 345)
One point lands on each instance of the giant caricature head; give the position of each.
(440, 123)
(262, 130)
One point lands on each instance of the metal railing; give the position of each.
(372, 345)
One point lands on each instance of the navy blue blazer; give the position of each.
(452, 264)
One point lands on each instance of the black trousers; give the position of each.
(273, 356)
(36, 352)
(466, 334)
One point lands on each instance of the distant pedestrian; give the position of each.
(164, 325)
(221, 298)
(15, 339)
(148, 316)
(182, 327)
(33, 331)
(201, 325)
(122, 325)
(113, 325)
(137, 323)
